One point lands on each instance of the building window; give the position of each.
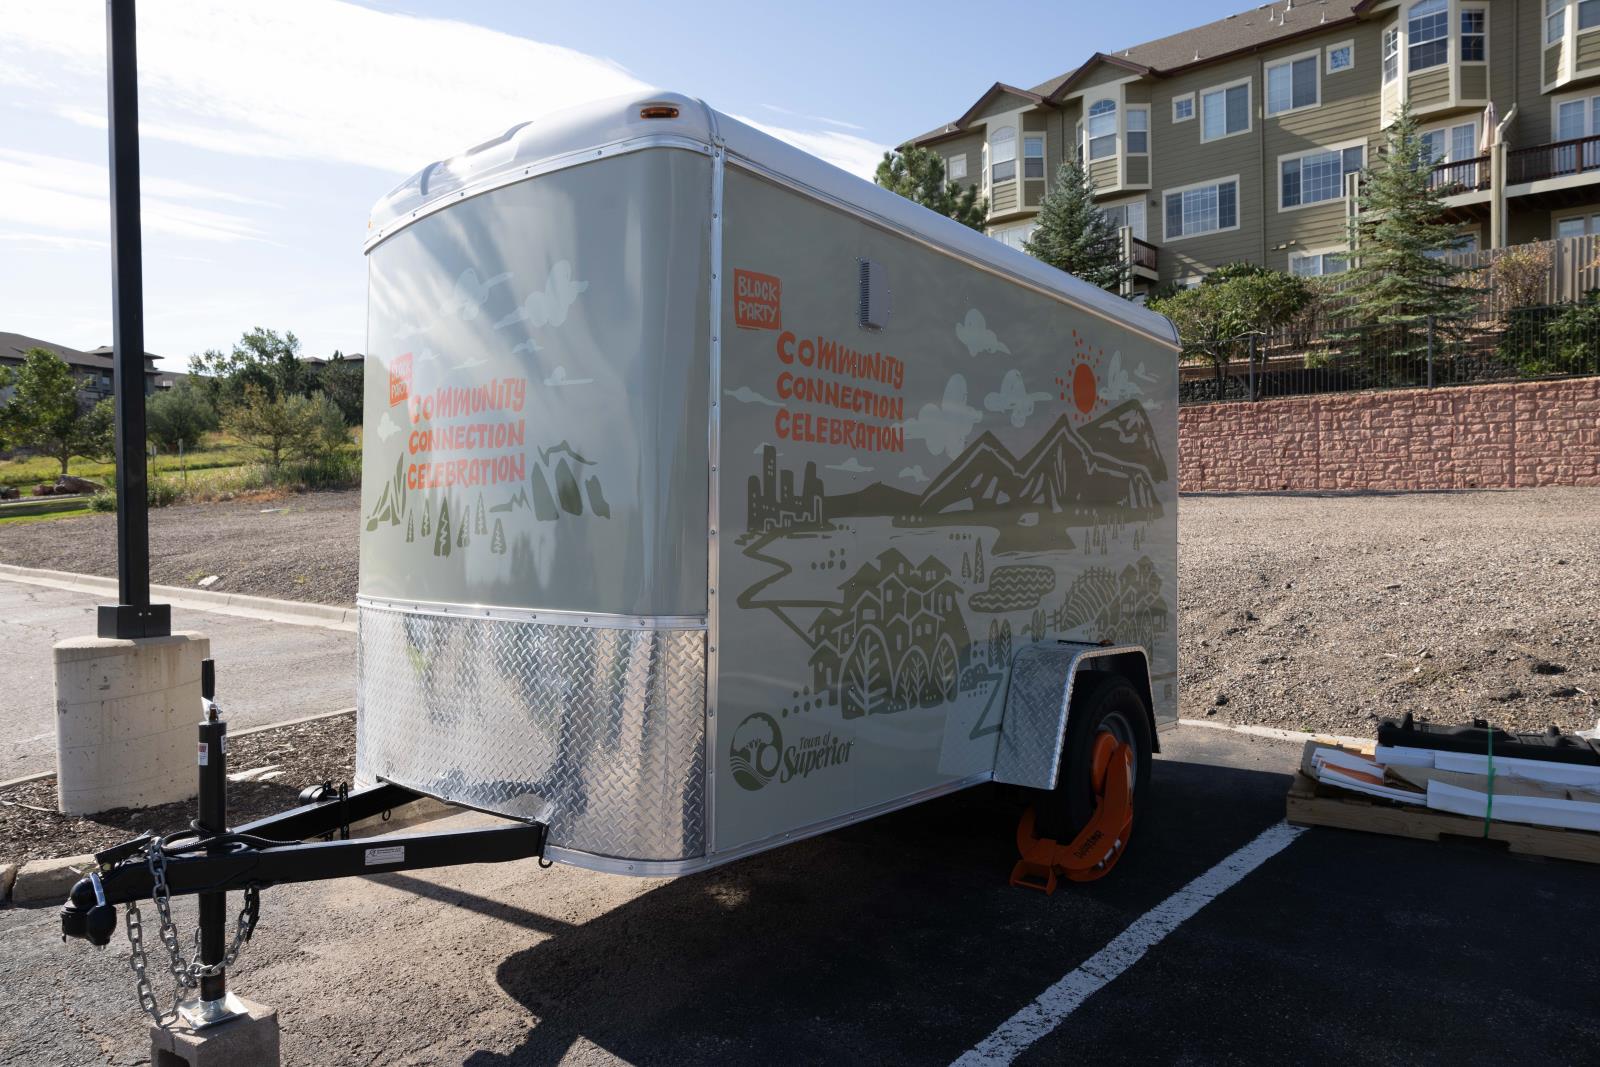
(1183, 107)
(1138, 131)
(1102, 129)
(1014, 236)
(1131, 215)
(1033, 157)
(1467, 242)
(1003, 154)
(1292, 85)
(1202, 209)
(1588, 14)
(1317, 264)
(1555, 20)
(1341, 56)
(1428, 31)
(1474, 36)
(1391, 55)
(1450, 144)
(1225, 111)
(1577, 226)
(956, 168)
(1317, 177)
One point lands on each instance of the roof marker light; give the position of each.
(658, 111)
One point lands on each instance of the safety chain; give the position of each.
(185, 975)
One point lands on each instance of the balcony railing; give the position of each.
(1143, 254)
(1464, 176)
(1555, 160)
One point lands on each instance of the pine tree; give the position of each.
(1074, 235)
(482, 524)
(977, 564)
(1398, 279)
(918, 175)
(441, 542)
(498, 544)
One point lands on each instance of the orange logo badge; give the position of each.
(757, 301)
(399, 379)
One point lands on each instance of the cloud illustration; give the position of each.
(559, 377)
(746, 395)
(468, 294)
(914, 473)
(945, 426)
(849, 466)
(548, 306)
(1120, 385)
(1014, 398)
(530, 346)
(387, 427)
(976, 335)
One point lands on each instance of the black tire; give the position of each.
(1101, 701)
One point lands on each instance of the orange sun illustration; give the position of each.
(1083, 388)
(1081, 384)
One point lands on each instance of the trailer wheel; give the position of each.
(1102, 703)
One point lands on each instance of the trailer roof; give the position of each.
(574, 136)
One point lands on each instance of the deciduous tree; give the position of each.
(46, 414)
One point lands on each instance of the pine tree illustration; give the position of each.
(441, 541)
(411, 534)
(464, 536)
(966, 565)
(977, 564)
(427, 522)
(498, 545)
(481, 526)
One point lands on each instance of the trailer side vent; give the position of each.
(876, 302)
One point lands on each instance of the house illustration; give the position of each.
(897, 641)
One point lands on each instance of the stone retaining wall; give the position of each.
(1508, 436)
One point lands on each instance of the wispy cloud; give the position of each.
(846, 151)
(56, 193)
(813, 118)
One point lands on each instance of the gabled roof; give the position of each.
(1260, 27)
(13, 346)
(993, 91)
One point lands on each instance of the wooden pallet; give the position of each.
(1310, 803)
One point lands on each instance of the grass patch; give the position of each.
(71, 513)
(252, 481)
(219, 452)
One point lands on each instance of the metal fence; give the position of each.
(1323, 356)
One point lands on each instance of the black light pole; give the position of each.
(134, 615)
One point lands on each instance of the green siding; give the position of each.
(970, 145)
(1104, 74)
(1429, 89)
(1474, 83)
(1001, 104)
(1552, 63)
(1136, 169)
(1032, 192)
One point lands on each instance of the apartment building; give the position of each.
(1241, 139)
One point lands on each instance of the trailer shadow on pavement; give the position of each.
(896, 941)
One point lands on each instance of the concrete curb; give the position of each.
(39, 881)
(291, 612)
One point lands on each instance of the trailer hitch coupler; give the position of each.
(86, 915)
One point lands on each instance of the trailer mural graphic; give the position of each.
(955, 572)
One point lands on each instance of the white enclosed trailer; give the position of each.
(713, 497)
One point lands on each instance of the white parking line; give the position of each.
(1050, 1008)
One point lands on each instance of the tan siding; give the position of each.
(1032, 192)
(970, 145)
(1179, 158)
(1587, 53)
(1474, 82)
(1034, 121)
(1137, 170)
(1552, 63)
(1104, 74)
(1429, 89)
(1003, 198)
(1137, 92)
(1523, 84)
(1001, 104)
(1103, 172)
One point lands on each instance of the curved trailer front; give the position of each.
(709, 492)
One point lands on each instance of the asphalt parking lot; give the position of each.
(898, 941)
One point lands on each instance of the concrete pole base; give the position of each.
(249, 1040)
(125, 721)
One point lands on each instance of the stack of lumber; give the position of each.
(1539, 806)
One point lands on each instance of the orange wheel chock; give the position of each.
(1100, 843)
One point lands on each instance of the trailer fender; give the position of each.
(1033, 724)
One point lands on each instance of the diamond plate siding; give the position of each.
(599, 731)
(1035, 716)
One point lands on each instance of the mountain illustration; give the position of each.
(1125, 433)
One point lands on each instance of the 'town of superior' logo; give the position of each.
(756, 750)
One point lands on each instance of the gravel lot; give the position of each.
(1301, 612)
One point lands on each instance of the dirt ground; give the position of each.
(275, 765)
(1301, 612)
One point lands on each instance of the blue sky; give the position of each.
(270, 128)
